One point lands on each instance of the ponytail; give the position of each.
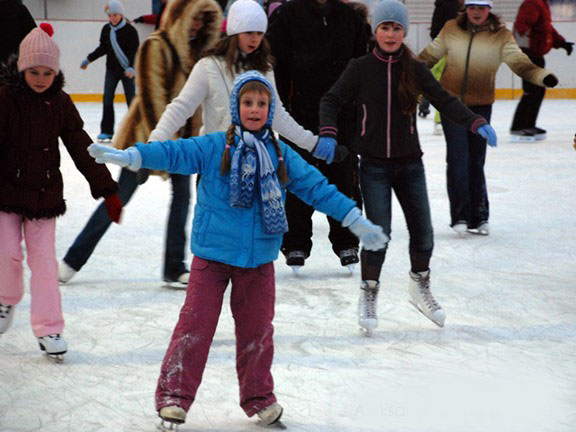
(408, 87)
(225, 163)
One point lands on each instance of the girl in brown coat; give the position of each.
(34, 113)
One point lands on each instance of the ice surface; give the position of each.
(504, 362)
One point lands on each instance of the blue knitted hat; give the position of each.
(390, 11)
(242, 79)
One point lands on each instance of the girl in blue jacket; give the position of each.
(239, 221)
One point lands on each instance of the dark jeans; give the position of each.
(88, 239)
(529, 105)
(344, 175)
(378, 178)
(465, 158)
(110, 83)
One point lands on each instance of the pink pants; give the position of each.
(39, 235)
(252, 303)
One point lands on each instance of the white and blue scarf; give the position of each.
(122, 59)
(251, 166)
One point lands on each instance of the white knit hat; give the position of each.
(478, 3)
(246, 16)
(114, 7)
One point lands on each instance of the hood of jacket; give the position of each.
(10, 77)
(177, 19)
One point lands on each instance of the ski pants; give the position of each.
(252, 304)
(39, 235)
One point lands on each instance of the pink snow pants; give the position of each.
(39, 235)
(252, 304)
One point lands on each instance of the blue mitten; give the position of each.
(84, 64)
(130, 158)
(325, 149)
(371, 236)
(486, 131)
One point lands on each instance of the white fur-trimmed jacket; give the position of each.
(209, 86)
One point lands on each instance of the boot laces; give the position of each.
(424, 287)
(344, 253)
(370, 296)
(297, 254)
(5, 310)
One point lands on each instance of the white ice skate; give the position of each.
(6, 316)
(270, 416)
(522, 136)
(438, 129)
(54, 346)
(482, 229)
(172, 416)
(65, 272)
(180, 283)
(460, 227)
(422, 298)
(367, 306)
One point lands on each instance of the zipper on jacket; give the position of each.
(47, 174)
(17, 173)
(464, 88)
(325, 22)
(388, 144)
(364, 116)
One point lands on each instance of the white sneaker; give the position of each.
(173, 414)
(65, 272)
(53, 344)
(460, 227)
(422, 298)
(6, 315)
(271, 414)
(367, 306)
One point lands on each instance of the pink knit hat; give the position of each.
(38, 49)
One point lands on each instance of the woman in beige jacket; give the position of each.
(475, 44)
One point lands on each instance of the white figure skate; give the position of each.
(54, 346)
(423, 300)
(172, 417)
(270, 416)
(367, 306)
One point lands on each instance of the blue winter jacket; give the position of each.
(230, 235)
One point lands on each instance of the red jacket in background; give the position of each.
(533, 28)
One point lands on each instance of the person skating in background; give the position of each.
(536, 37)
(237, 232)
(34, 113)
(385, 85)
(163, 63)
(15, 23)
(444, 10)
(312, 42)
(244, 48)
(119, 43)
(475, 45)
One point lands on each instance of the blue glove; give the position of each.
(371, 236)
(130, 158)
(325, 149)
(84, 64)
(486, 131)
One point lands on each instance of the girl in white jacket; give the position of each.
(210, 82)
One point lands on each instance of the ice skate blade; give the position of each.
(166, 426)
(296, 269)
(366, 331)
(351, 268)
(438, 323)
(478, 232)
(276, 425)
(56, 358)
(522, 139)
(176, 286)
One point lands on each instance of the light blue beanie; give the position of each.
(390, 11)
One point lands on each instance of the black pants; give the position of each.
(529, 105)
(344, 175)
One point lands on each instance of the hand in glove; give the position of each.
(371, 236)
(486, 131)
(84, 64)
(113, 207)
(325, 149)
(140, 19)
(568, 46)
(130, 158)
(550, 81)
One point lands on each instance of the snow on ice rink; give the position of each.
(504, 362)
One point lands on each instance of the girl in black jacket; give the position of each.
(119, 43)
(385, 85)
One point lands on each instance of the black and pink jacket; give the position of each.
(382, 130)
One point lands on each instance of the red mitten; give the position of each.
(113, 207)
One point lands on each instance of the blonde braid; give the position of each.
(225, 163)
(282, 171)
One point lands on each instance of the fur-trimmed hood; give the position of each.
(10, 77)
(177, 19)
